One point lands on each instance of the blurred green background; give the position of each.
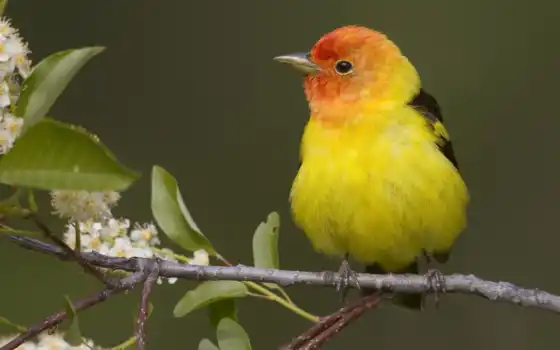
(191, 86)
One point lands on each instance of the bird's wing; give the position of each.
(427, 105)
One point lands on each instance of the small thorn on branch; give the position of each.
(330, 325)
(152, 271)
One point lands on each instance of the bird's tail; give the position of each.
(408, 301)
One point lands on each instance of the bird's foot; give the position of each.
(347, 275)
(436, 282)
(427, 257)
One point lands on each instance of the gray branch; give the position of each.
(413, 284)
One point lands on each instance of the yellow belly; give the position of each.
(381, 199)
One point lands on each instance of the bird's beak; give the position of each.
(299, 61)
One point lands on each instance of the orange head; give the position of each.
(357, 68)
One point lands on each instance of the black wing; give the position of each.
(427, 104)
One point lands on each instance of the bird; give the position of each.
(378, 180)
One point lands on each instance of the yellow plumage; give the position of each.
(378, 189)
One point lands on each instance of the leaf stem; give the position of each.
(127, 343)
(283, 300)
(257, 295)
(15, 326)
(275, 297)
(285, 295)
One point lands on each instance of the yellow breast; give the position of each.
(379, 189)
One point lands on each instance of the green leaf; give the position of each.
(265, 243)
(209, 292)
(12, 203)
(53, 155)
(150, 310)
(25, 233)
(47, 81)
(3, 4)
(72, 335)
(222, 309)
(206, 344)
(172, 215)
(18, 328)
(31, 201)
(231, 336)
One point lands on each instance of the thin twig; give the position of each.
(70, 252)
(57, 318)
(368, 302)
(406, 284)
(153, 270)
(329, 325)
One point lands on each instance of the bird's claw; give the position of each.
(436, 282)
(347, 275)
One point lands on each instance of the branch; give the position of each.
(330, 325)
(153, 270)
(57, 318)
(70, 252)
(410, 284)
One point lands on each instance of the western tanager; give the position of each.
(378, 179)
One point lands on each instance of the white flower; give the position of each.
(12, 124)
(113, 237)
(139, 252)
(104, 248)
(4, 94)
(13, 50)
(200, 257)
(70, 236)
(52, 342)
(114, 228)
(145, 235)
(90, 227)
(6, 28)
(6, 141)
(121, 247)
(13, 54)
(83, 205)
(170, 280)
(56, 342)
(90, 237)
(48, 341)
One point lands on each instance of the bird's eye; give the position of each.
(343, 67)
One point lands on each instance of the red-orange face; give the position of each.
(352, 60)
(346, 65)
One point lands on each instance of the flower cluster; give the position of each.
(14, 65)
(47, 341)
(91, 220)
(82, 205)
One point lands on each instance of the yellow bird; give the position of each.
(378, 179)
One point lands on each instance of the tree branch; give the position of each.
(411, 284)
(330, 325)
(71, 253)
(57, 318)
(153, 274)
